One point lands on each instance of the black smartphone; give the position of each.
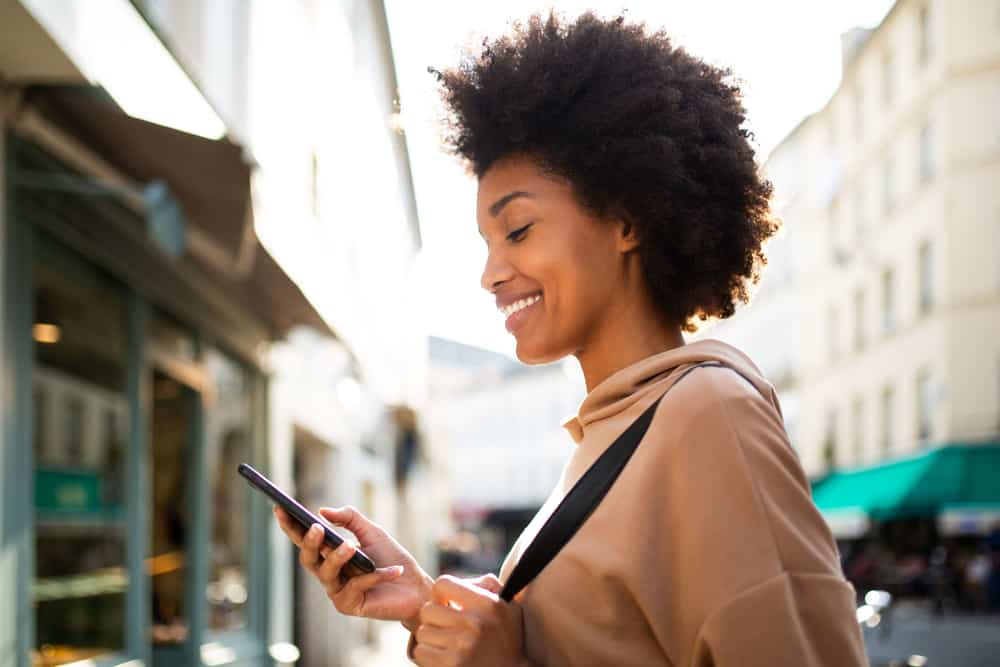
(359, 563)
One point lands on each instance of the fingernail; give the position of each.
(344, 549)
(315, 529)
(396, 570)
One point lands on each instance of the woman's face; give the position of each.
(555, 268)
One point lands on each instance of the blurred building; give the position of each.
(891, 226)
(171, 236)
(899, 225)
(497, 423)
(769, 328)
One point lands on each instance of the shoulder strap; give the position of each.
(585, 496)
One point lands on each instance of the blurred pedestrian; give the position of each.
(620, 203)
(977, 575)
(939, 580)
(993, 578)
(862, 570)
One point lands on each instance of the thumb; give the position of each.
(489, 582)
(366, 530)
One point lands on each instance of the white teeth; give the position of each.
(520, 305)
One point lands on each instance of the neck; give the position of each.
(627, 335)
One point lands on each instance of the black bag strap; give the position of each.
(585, 496)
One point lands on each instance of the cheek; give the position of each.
(575, 270)
(577, 289)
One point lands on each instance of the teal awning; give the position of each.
(921, 486)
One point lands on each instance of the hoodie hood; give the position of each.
(653, 375)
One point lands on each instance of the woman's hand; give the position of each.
(466, 624)
(395, 592)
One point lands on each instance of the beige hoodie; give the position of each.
(707, 550)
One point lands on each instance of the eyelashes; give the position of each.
(518, 234)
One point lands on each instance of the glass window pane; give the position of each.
(833, 329)
(888, 417)
(858, 418)
(927, 165)
(229, 429)
(888, 301)
(888, 186)
(925, 406)
(80, 421)
(926, 278)
(167, 336)
(924, 53)
(172, 429)
(859, 320)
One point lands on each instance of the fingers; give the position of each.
(439, 615)
(354, 521)
(312, 550)
(431, 635)
(448, 589)
(292, 528)
(427, 656)
(350, 596)
(329, 571)
(488, 582)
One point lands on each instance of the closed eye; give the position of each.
(518, 234)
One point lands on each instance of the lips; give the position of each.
(508, 299)
(521, 304)
(518, 310)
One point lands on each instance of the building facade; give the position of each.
(899, 229)
(156, 334)
(880, 312)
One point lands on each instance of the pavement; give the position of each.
(388, 651)
(945, 641)
(951, 640)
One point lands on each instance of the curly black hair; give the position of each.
(641, 130)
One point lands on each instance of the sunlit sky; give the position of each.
(785, 52)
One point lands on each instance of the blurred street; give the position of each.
(963, 640)
(388, 651)
(946, 641)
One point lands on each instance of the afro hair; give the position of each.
(642, 131)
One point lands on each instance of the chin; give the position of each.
(535, 353)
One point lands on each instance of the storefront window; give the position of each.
(173, 437)
(168, 551)
(80, 422)
(229, 429)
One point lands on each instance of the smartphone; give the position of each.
(359, 563)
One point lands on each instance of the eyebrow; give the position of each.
(498, 205)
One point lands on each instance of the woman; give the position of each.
(619, 202)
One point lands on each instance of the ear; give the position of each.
(628, 234)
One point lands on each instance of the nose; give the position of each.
(496, 272)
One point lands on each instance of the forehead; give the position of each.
(514, 174)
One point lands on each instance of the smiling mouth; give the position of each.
(518, 306)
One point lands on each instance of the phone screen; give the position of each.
(359, 563)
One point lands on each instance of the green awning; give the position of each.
(921, 486)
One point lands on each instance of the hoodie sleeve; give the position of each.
(761, 580)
